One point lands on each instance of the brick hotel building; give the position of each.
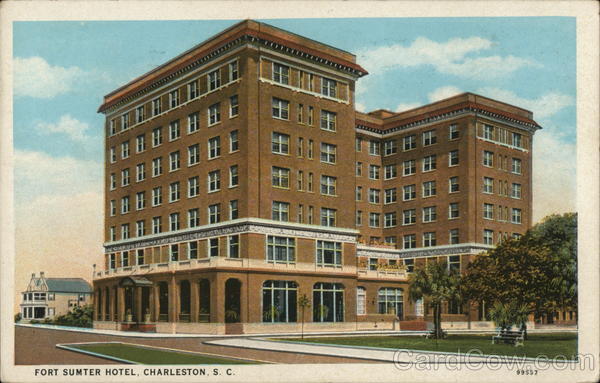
(240, 178)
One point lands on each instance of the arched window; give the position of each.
(279, 301)
(328, 302)
(184, 301)
(361, 299)
(204, 300)
(391, 301)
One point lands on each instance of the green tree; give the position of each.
(506, 315)
(304, 303)
(435, 283)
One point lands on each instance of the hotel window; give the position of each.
(453, 158)
(213, 247)
(358, 144)
(300, 147)
(113, 208)
(174, 192)
(300, 180)
(192, 250)
(390, 147)
(390, 220)
(156, 137)
(516, 216)
(174, 161)
(157, 196)
(280, 143)
(310, 182)
(374, 148)
(125, 149)
(453, 211)
(124, 259)
(374, 172)
(214, 147)
(328, 185)
(113, 234)
(125, 121)
(174, 99)
(233, 248)
(328, 300)
(328, 120)
(192, 89)
(409, 167)
(390, 172)
(140, 257)
(113, 155)
(234, 106)
(174, 130)
(214, 213)
(300, 79)
(373, 263)
(214, 79)
(281, 74)
(429, 214)
(517, 140)
(139, 114)
(234, 73)
(488, 158)
(193, 154)
(409, 217)
(234, 144)
(429, 239)
(409, 142)
(374, 196)
(409, 263)
(516, 236)
(453, 133)
(374, 219)
(280, 211)
(328, 153)
(140, 200)
(516, 166)
(310, 215)
(112, 262)
(488, 132)
(174, 221)
(280, 177)
(233, 209)
(311, 82)
(214, 181)
(390, 301)
(328, 217)
(391, 241)
(453, 186)
(454, 263)
(453, 237)
(214, 114)
(174, 253)
(113, 127)
(281, 249)
(358, 218)
(429, 163)
(390, 196)
(125, 205)
(328, 87)
(429, 138)
(140, 143)
(488, 185)
(516, 191)
(140, 228)
(233, 176)
(125, 177)
(300, 213)
(156, 107)
(361, 301)
(193, 124)
(193, 218)
(358, 169)
(157, 167)
(429, 189)
(329, 253)
(280, 108)
(156, 225)
(410, 192)
(113, 181)
(488, 237)
(310, 149)
(488, 211)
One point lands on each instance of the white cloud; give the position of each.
(407, 106)
(35, 77)
(75, 129)
(544, 106)
(450, 57)
(360, 107)
(443, 92)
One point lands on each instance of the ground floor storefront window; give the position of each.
(328, 302)
(279, 301)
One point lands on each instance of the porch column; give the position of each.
(120, 304)
(217, 301)
(173, 300)
(156, 302)
(137, 304)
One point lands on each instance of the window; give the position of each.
(409, 167)
(453, 237)
(174, 192)
(358, 169)
(517, 140)
(214, 147)
(328, 301)
(516, 191)
(233, 248)
(281, 249)
(389, 196)
(390, 301)
(125, 121)
(174, 161)
(454, 263)
(279, 301)
(429, 239)
(113, 233)
(156, 225)
(113, 181)
(409, 142)
(113, 208)
(157, 196)
(140, 200)
(300, 179)
(488, 132)
(488, 237)
(329, 253)
(361, 301)
(300, 213)
(174, 221)
(390, 219)
(429, 214)
(193, 154)
(125, 177)
(429, 163)
(453, 211)
(453, 133)
(410, 192)
(453, 186)
(328, 217)
(328, 153)
(281, 74)
(429, 189)
(374, 195)
(280, 211)
(214, 181)
(429, 138)
(125, 205)
(390, 172)
(157, 167)
(113, 155)
(300, 113)
(192, 248)
(311, 114)
(124, 263)
(174, 99)
(409, 217)
(193, 218)
(310, 182)
(233, 176)
(214, 79)
(300, 147)
(140, 143)
(358, 144)
(234, 73)
(213, 247)
(390, 147)
(328, 185)
(214, 114)
(193, 122)
(358, 218)
(234, 144)
(488, 158)
(125, 149)
(139, 114)
(453, 158)
(113, 127)
(516, 166)
(280, 143)
(234, 106)
(233, 209)
(488, 211)
(328, 120)
(281, 108)
(516, 216)
(192, 89)
(156, 107)
(156, 137)
(374, 172)
(280, 177)
(374, 148)
(214, 213)
(488, 185)
(328, 87)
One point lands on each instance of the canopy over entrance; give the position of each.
(135, 281)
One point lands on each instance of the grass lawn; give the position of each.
(550, 345)
(145, 355)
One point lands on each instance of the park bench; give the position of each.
(509, 337)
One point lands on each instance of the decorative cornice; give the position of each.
(464, 248)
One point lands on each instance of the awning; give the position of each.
(135, 281)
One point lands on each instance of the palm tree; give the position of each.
(304, 303)
(435, 283)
